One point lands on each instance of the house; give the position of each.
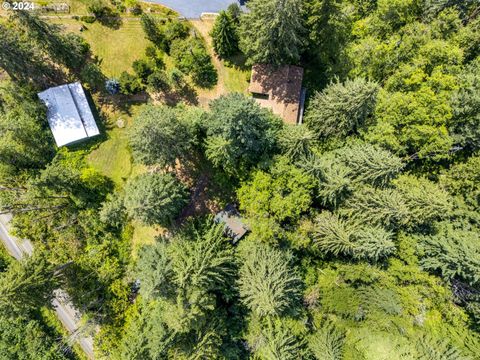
(279, 89)
(69, 114)
(234, 226)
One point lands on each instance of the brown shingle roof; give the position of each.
(282, 87)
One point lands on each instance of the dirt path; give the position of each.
(204, 96)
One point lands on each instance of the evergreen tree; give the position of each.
(341, 109)
(239, 133)
(267, 284)
(327, 342)
(333, 182)
(27, 338)
(28, 285)
(386, 207)
(463, 179)
(296, 142)
(25, 142)
(430, 348)
(412, 203)
(272, 31)
(466, 108)
(338, 237)
(329, 25)
(154, 270)
(454, 251)
(20, 59)
(426, 200)
(70, 50)
(155, 198)
(183, 277)
(278, 344)
(370, 164)
(153, 31)
(224, 36)
(113, 211)
(159, 136)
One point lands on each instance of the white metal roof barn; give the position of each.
(69, 115)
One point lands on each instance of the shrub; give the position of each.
(112, 86)
(130, 84)
(88, 19)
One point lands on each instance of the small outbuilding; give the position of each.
(69, 114)
(279, 89)
(234, 226)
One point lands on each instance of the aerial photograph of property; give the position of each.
(240, 180)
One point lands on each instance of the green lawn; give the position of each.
(112, 158)
(235, 79)
(116, 48)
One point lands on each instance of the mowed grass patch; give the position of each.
(112, 157)
(116, 49)
(144, 235)
(235, 79)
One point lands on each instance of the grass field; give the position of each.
(112, 158)
(116, 49)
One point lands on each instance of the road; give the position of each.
(66, 313)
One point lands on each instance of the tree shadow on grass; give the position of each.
(237, 61)
(110, 19)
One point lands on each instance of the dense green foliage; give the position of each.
(25, 143)
(239, 133)
(271, 31)
(341, 109)
(192, 58)
(224, 35)
(154, 198)
(160, 136)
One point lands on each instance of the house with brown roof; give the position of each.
(279, 89)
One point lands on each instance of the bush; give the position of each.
(88, 19)
(92, 75)
(136, 9)
(98, 8)
(191, 57)
(143, 69)
(130, 84)
(174, 30)
(112, 86)
(177, 78)
(158, 81)
(153, 32)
